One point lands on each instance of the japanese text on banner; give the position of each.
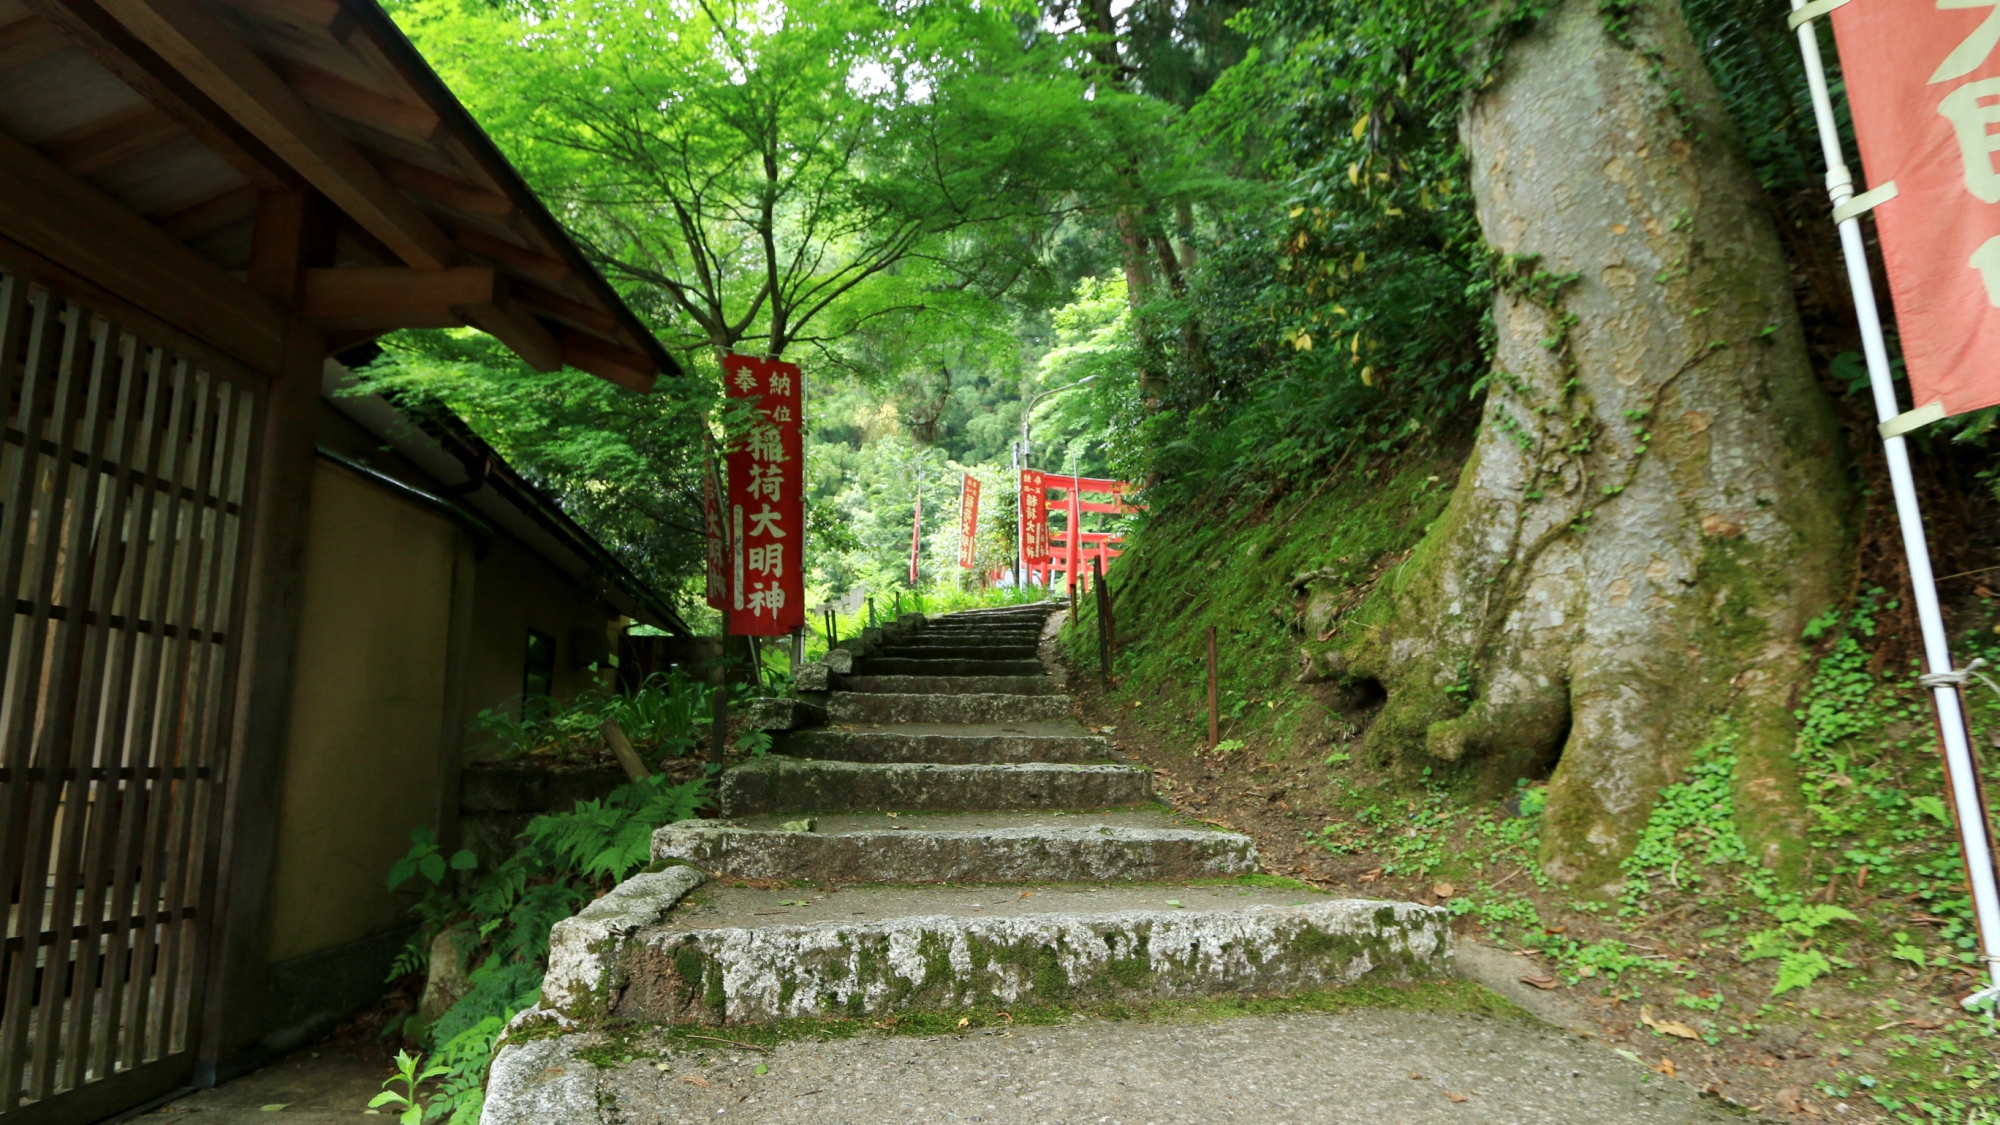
(766, 500)
(1034, 518)
(968, 522)
(1923, 82)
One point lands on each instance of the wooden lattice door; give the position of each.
(122, 529)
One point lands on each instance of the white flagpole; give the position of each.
(1974, 831)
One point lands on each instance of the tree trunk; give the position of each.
(1653, 508)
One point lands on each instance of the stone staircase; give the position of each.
(950, 837)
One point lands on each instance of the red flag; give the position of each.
(767, 512)
(1034, 518)
(968, 521)
(1923, 83)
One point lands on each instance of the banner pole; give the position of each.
(1962, 776)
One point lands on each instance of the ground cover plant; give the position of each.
(1825, 984)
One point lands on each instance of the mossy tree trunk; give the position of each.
(1653, 509)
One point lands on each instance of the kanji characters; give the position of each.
(766, 523)
(768, 560)
(766, 481)
(746, 379)
(781, 384)
(764, 597)
(766, 444)
(1973, 109)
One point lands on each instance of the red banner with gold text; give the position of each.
(766, 510)
(1923, 83)
(1034, 518)
(968, 522)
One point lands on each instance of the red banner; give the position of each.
(1923, 83)
(767, 512)
(1034, 518)
(968, 521)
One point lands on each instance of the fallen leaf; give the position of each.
(1444, 891)
(1369, 876)
(1027, 894)
(1667, 1027)
(1415, 1077)
(887, 1022)
(273, 1107)
(1788, 1099)
(1546, 984)
(1449, 1096)
(1555, 929)
(696, 1079)
(965, 1021)
(1666, 1067)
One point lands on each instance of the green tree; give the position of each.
(781, 173)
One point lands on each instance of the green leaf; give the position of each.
(464, 860)
(433, 867)
(1799, 968)
(1931, 806)
(400, 872)
(386, 1097)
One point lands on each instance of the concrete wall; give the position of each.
(365, 763)
(518, 590)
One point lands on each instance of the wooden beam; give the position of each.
(447, 190)
(541, 267)
(60, 217)
(113, 140)
(28, 39)
(393, 297)
(509, 322)
(226, 69)
(562, 308)
(294, 232)
(338, 96)
(609, 362)
(209, 215)
(88, 26)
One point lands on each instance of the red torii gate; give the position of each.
(1045, 555)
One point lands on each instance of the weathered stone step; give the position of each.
(969, 651)
(1026, 636)
(864, 707)
(956, 666)
(742, 955)
(971, 746)
(960, 848)
(950, 685)
(782, 785)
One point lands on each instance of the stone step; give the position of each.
(955, 651)
(950, 685)
(927, 666)
(1027, 636)
(985, 847)
(971, 744)
(866, 707)
(738, 954)
(776, 784)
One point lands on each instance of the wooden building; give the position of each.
(244, 635)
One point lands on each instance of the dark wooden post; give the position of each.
(1214, 710)
(871, 613)
(1103, 620)
(718, 683)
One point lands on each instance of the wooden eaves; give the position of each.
(145, 143)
